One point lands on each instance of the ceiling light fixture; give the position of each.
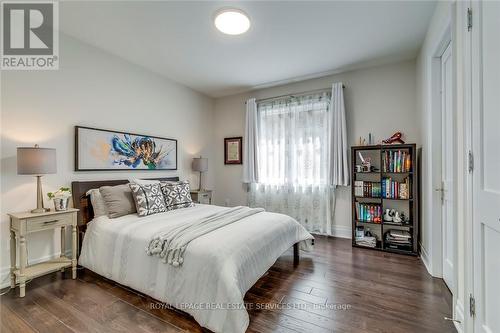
(232, 21)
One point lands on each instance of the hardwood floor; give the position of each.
(373, 292)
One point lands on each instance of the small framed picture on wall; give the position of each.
(233, 150)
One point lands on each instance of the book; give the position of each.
(395, 161)
(358, 188)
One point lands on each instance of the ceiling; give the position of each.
(287, 40)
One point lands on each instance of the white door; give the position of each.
(447, 159)
(486, 174)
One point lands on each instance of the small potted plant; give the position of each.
(60, 198)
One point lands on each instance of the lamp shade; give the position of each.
(36, 161)
(200, 164)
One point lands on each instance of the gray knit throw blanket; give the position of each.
(170, 243)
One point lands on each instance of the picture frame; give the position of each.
(233, 150)
(99, 149)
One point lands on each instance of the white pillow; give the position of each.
(143, 181)
(98, 204)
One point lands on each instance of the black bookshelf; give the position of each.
(409, 205)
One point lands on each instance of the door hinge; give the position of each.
(469, 19)
(472, 305)
(471, 161)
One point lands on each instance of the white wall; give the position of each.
(380, 100)
(96, 89)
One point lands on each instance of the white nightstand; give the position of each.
(202, 196)
(22, 224)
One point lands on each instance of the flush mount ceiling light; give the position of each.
(232, 21)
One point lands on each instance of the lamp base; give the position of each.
(40, 210)
(39, 197)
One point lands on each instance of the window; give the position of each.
(293, 140)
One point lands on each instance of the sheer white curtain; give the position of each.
(294, 161)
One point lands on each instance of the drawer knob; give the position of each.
(50, 222)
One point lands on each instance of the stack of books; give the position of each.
(396, 161)
(366, 241)
(367, 189)
(399, 239)
(396, 190)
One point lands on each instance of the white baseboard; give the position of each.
(338, 231)
(5, 271)
(342, 231)
(424, 255)
(459, 315)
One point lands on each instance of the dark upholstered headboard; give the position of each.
(82, 201)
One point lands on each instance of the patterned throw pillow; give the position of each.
(177, 194)
(148, 198)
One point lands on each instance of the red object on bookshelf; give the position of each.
(395, 138)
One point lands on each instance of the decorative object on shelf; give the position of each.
(36, 161)
(233, 150)
(396, 217)
(366, 163)
(60, 198)
(200, 165)
(395, 138)
(404, 218)
(370, 139)
(389, 215)
(360, 232)
(105, 150)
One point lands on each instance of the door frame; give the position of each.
(449, 36)
(436, 264)
(467, 195)
(452, 189)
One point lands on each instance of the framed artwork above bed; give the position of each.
(105, 150)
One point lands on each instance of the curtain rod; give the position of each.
(295, 94)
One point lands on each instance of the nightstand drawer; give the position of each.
(48, 222)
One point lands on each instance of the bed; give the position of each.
(218, 269)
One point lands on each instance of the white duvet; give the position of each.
(218, 270)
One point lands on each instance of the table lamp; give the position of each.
(201, 165)
(36, 161)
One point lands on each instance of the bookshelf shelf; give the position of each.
(397, 175)
(368, 222)
(389, 224)
(398, 199)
